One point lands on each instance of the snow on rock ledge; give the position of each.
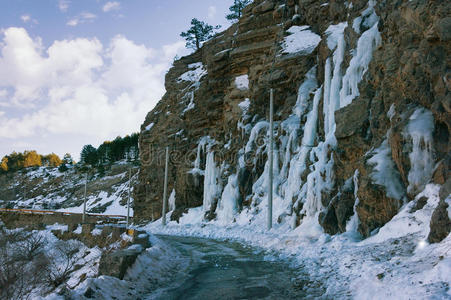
(195, 74)
(300, 41)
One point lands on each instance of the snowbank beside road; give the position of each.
(395, 263)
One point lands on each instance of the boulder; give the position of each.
(440, 223)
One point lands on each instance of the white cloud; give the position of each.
(63, 5)
(212, 12)
(25, 18)
(111, 5)
(73, 22)
(85, 17)
(88, 15)
(177, 48)
(28, 18)
(79, 88)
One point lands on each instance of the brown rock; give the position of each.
(440, 223)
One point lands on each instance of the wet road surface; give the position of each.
(225, 270)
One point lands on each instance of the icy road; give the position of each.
(223, 270)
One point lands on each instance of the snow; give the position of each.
(419, 130)
(244, 105)
(346, 265)
(191, 104)
(154, 268)
(61, 195)
(78, 230)
(57, 226)
(111, 200)
(148, 127)
(96, 231)
(406, 223)
(385, 172)
(395, 263)
(242, 82)
(195, 74)
(301, 40)
(194, 216)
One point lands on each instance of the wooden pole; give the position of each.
(128, 201)
(84, 200)
(165, 192)
(270, 154)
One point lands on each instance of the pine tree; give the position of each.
(67, 159)
(88, 155)
(63, 168)
(237, 9)
(198, 33)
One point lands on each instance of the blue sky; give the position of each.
(83, 71)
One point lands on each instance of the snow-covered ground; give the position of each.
(156, 268)
(395, 263)
(42, 263)
(47, 188)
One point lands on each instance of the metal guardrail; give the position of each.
(51, 212)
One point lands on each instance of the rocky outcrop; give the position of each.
(440, 221)
(116, 262)
(362, 114)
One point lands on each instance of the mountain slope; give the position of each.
(49, 189)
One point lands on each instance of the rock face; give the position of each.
(362, 114)
(440, 221)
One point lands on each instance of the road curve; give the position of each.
(223, 270)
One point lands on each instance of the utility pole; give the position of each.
(270, 154)
(165, 192)
(128, 201)
(84, 201)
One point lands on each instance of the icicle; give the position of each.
(212, 186)
(254, 134)
(310, 131)
(385, 172)
(419, 129)
(353, 224)
(171, 200)
(358, 66)
(332, 90)
(305, 89)
(228, 204)
(197, 161)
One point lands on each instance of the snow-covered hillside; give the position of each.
(46, 188)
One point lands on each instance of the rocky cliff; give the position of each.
(362, 116)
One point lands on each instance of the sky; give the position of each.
(77, 72)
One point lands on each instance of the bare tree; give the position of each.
(31, 246)
(65, 257)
